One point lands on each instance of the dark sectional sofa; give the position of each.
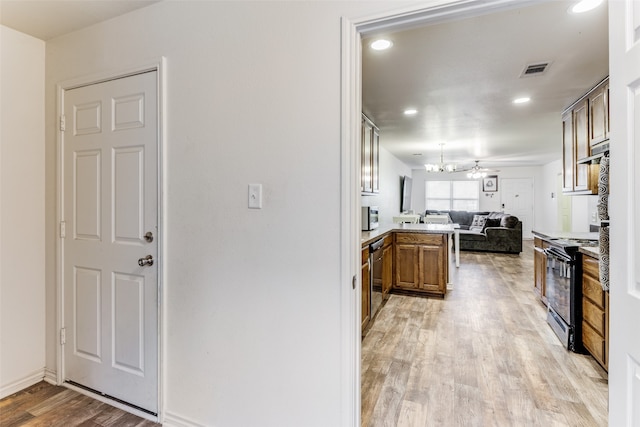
(499, 232)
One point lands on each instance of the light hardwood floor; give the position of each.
(483, 356)
(44, 404)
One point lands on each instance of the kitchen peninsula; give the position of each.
(404, 258)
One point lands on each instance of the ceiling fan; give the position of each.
(476, 171)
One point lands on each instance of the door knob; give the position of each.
(148, 260)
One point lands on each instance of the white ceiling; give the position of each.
(460, 75)
(463, 75)
(46, 19)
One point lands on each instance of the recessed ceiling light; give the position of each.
(381, 44)
(410, 111)
(585, 6)
(522, 100)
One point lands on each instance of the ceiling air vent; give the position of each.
(536, 69)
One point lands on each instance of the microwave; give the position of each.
(369, 218)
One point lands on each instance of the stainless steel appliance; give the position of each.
(564, 291)
(375, 251)
(369, 218)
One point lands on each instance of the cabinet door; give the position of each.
(581, 150)
(598, 115)
(567, 152)
(366, 295)
(366, 185)
(539, 273)
(407, 266)
(387, 270)
(375, 160)
(433, 275)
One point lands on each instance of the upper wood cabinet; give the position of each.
(568, 161)
(599, 114)
(584, 125)
(370, 161)
(582, 179)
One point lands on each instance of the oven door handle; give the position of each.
(556, 253)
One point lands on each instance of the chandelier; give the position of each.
(442, 166)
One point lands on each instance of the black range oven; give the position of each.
(564, 291)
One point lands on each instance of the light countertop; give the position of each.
(383, 230)
(592, 251)
(566, 235)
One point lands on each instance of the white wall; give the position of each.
(487, 203)
(545, 206)
(22, 289)
(388, 200)
(251, 297)
(583, 208)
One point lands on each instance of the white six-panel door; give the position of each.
(110, 222)
(517, 200)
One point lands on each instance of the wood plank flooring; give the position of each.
(483, 356)
(44, 404)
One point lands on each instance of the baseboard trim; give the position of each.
(174, 420)
(27, 381)
(51, 376)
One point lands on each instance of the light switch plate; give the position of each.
(255, 196)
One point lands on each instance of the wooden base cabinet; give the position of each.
(387, 266)
(595, 313)
(540, 268)
(366, 290)
(421, 263)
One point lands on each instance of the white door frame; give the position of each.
(351, 100)
(159, 66)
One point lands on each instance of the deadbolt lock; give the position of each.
(148, 237)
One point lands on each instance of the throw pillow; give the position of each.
(509, 221)
(491, 222)
(478, 223)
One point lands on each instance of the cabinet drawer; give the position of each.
(388, 240)
(592, 289)
(594, 343)
(420, 239)
(590, 266)
(594, 315)
(365, 255)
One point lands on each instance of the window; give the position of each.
(452, 195)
